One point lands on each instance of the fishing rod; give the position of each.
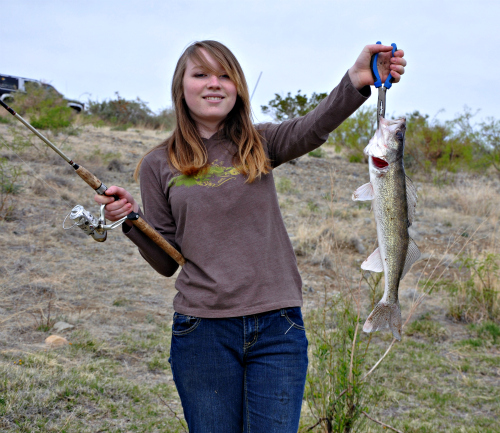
(97, 227)
(256, 84)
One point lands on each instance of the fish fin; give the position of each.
(411, 200)
(364, 192)
(373, 262)
(385, 316)
(412, 255)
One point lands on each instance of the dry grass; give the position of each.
(443, 376)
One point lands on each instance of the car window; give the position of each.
(9, 83)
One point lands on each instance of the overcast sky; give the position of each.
(93, 49)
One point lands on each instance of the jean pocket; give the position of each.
(184, 324)
(294, 317)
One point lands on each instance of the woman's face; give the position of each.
(209, 97)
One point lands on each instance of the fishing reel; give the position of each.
(92, 226)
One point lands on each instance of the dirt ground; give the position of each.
(106, 290)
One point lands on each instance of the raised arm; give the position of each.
(296, 137)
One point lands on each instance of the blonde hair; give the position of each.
(185, 149)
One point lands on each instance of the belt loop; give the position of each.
(283, 311)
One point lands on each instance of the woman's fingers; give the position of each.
(116, 209)
(377, 48)
(399, 53)
(103, 199)
(116, 205)
(361, 74)
(398, 60)
(396, 77)
(391, 65)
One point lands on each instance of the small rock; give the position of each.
(62, 326)
(54, 341)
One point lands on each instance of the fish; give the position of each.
(394, 201)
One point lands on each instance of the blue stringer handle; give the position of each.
(378, 81)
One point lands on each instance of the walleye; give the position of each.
(394, 200)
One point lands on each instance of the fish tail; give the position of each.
(385, 316)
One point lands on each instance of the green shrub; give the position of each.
(53, 118)
(334, 392)
(425, 327)
(446, 146)
(123, 114)
(317, 153)
(486, 331)
(288, 107)
(356, 157)
(45, 108)
(355, 132)
(475, 297)
(283, 185)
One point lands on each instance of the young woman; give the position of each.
(239, 349)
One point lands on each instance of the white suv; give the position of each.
(10, 85)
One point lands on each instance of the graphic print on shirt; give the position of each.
(216, 175)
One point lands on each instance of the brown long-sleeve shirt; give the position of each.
(239, 258)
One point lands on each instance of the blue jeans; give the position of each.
(240, 374)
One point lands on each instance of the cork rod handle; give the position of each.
(152, 234)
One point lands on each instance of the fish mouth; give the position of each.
(379, 163)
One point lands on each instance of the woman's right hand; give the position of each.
(120, 208)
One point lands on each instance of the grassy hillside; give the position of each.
(114, 376)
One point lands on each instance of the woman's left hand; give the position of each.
(360, 73)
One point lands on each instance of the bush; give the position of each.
(53, 118)
(487, 332)
(355, 133)
(123, 114)
(283, 185)
(430, 145)
(335, 393)
(444, 146)
(289, 107)
(474, 298)
(45, 108)
(317, 153)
